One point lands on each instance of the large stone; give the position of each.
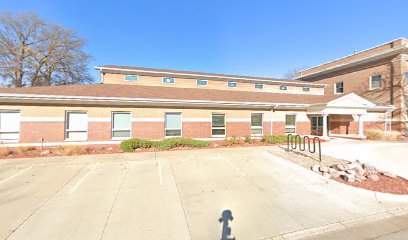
(332, 170)
(46, 152)
(341, 173)
(389, 174)
(326, 174)
(352, 166)
(369, 167)
(348, 178)
(352, 172)
(315, 168)
(373, 177)
(335, 174)
(359, 170)
(341, 167)
(323, 169)
(360, 177)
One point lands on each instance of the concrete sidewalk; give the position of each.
(175, 195)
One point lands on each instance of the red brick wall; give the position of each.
(148, 130)
(197, 129)
(374, 125)
(267, 128)
(278, 128)
(343, 127)
(31, 132)
(238, 129)
(99, 131)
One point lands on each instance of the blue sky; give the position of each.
(259, 38)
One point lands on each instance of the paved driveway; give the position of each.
(384, 155)
(174, 195)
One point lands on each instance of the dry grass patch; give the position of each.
(4, 152)
(380, 135)
(23, 150)
(72, 150)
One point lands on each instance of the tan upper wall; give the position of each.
(114, 78)
(350, 58)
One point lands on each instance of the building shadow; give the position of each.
(225, 218)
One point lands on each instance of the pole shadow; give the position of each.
(225, 218)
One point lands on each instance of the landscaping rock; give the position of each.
(323, 169)
(360, 177)
(335, 174)
(388, 174)
(99, 148)
(332, 170)
(46, 152)
(352, 172)
(353, 166)
(315, 168)
(359, 170)
(348, 178)
(109, 149)
(341, 167)
(373, 177)
(341, 173)
(369, 167)
(326, 174)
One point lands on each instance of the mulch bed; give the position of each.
(386, 184)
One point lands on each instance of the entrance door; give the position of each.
(317, 126)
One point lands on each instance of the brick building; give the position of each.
(155, 103)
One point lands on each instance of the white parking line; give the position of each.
(160, 173)
(15, 175)
(236, 169)
(83, 178)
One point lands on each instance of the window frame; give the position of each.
(342, 88)
(290, 126)
(181, 124)
(112, 126)
(225, 125)
(257, 127)
(236, 84)
(126, 75)
(308, 89)
(19, 125)
(257, 84)
(371, 82)
(163, 82)
(406, 78)
(283, 87)
(66, 131)
(204, 80)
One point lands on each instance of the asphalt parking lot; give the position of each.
(177, 195)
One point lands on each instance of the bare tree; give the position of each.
(291, 74)
(36, 53)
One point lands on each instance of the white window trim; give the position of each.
(163, 82)
(290, 126)
(370, 82)
(236, 84)
(112, 130)
(206, 82)
(335, 88)
(225, 125)
(258, 127)
(181, 127)
(19, 126)
(67, 130)
(124, 78)
(260, 89)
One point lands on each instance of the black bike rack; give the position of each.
(293, 141)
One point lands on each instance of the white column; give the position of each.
(324, 135)
(361, 126)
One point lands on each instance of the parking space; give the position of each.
(171, 195)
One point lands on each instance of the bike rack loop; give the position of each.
(294, 140)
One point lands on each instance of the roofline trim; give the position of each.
(368, 49)
(101, 68)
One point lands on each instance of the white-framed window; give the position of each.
(406, 78)
(283, 87)
(218, 125)
(339, 87)
(121, 125)
(202, 82)
(131, 78)
(9, 125)
(173, 125)
(306, 89)
(232, 84)
(168, 80)
(290, 123)
(256, 124)
(76, 126)
(259, 86)
(375, 82)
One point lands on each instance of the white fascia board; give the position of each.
(211, 76)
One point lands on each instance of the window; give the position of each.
(9, 125)
(256, 124)
(172, 126)
(218, 125)
(258, 85)
(232, 84)
(283, 87)
(76, 126)
(290, 123)
(339, 87)
(406, 79)
(375, 82)
(121, 125)
(201, 82)
(168, 80)
(306, 89)
(131, 77)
